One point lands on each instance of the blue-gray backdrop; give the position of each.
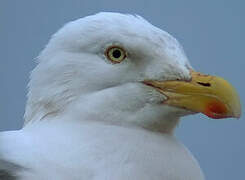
(212, 33)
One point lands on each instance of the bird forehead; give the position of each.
(115, 27)
(95, 33)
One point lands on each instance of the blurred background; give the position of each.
(211, 32)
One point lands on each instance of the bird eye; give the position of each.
(115, 54)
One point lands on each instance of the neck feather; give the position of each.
(114, 106)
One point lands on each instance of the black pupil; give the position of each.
(116, 53)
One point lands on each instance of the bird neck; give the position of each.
(148, 117)
(126, 105)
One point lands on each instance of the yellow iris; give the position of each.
(116, 54)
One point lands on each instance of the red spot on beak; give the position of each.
(216, 110)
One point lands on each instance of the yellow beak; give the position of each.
(210, 95)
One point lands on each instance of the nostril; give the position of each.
(204, 84)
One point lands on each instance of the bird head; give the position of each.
(121, 69)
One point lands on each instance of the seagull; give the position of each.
(103, 103)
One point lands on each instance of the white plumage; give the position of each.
(87, 118)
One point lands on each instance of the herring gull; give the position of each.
(103, 103)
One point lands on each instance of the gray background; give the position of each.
(211, 31)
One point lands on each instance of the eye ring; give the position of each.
(115, 54)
